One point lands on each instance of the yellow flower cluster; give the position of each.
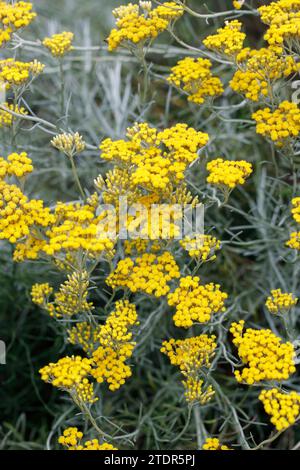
(283, 20)
(84, 335)
(194, 77)
(116, 329)
(6, 118)
(280, 302)
(14, 16)
(155, 159)
(40, 293)
(59, 44)
(259, 70)
(195, 302)
(138, 25)
(294, 241)
(228, 40)
(116, 346)
(15, 73)
(281, 126)
(203, 247)
(148, 273)
(116, 184)
(18, 214)
(19, 164)
(267, 357)
(70, 144)
(191, 355)
(70, 299)
(76, 227)
(71, 439)
(284, 408)
(70, 374)
(213, 443)
(296, 209)
(228, 173)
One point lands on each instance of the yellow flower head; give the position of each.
(149, 273)
(13, 17)
(195, 78)
(228, 40)
(70, 374)
(259, 70)
(196, 303)
(281, 126)
(191, 355)
(280, 302)
(15, 73)
(284, 408)
(71, 439)
(228, 173)
(264, 353)
(294, 241)
(213, 443)
(296, 209)
(137, 25)
(70, 144)
(116, 346)
(202, 247)
(59, 44)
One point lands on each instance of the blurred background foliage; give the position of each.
(102, 99)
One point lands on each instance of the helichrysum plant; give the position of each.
(165, 330)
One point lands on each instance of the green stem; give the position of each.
(75, 174)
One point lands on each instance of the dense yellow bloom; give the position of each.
(6, 118)
(70, 144)
(70, 374)
(116, 346)
(259, 70)
(294, 241)
(59, 44)
(40, 293)
(18, 214)
(283, 20)
(16, 73)
(19, 164)
(213, 443)
(13, 17)
(284, 408)
(71, 439)
(148, 273)
(228, 40)
(202, 247)
(228, 173)
(280, 302)
(77, 227)
(191, 355)
(281, 126)
(196, 303)
(138, 25)
(194, 76)
(155, 159)
(296, 209)
(264, 353)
